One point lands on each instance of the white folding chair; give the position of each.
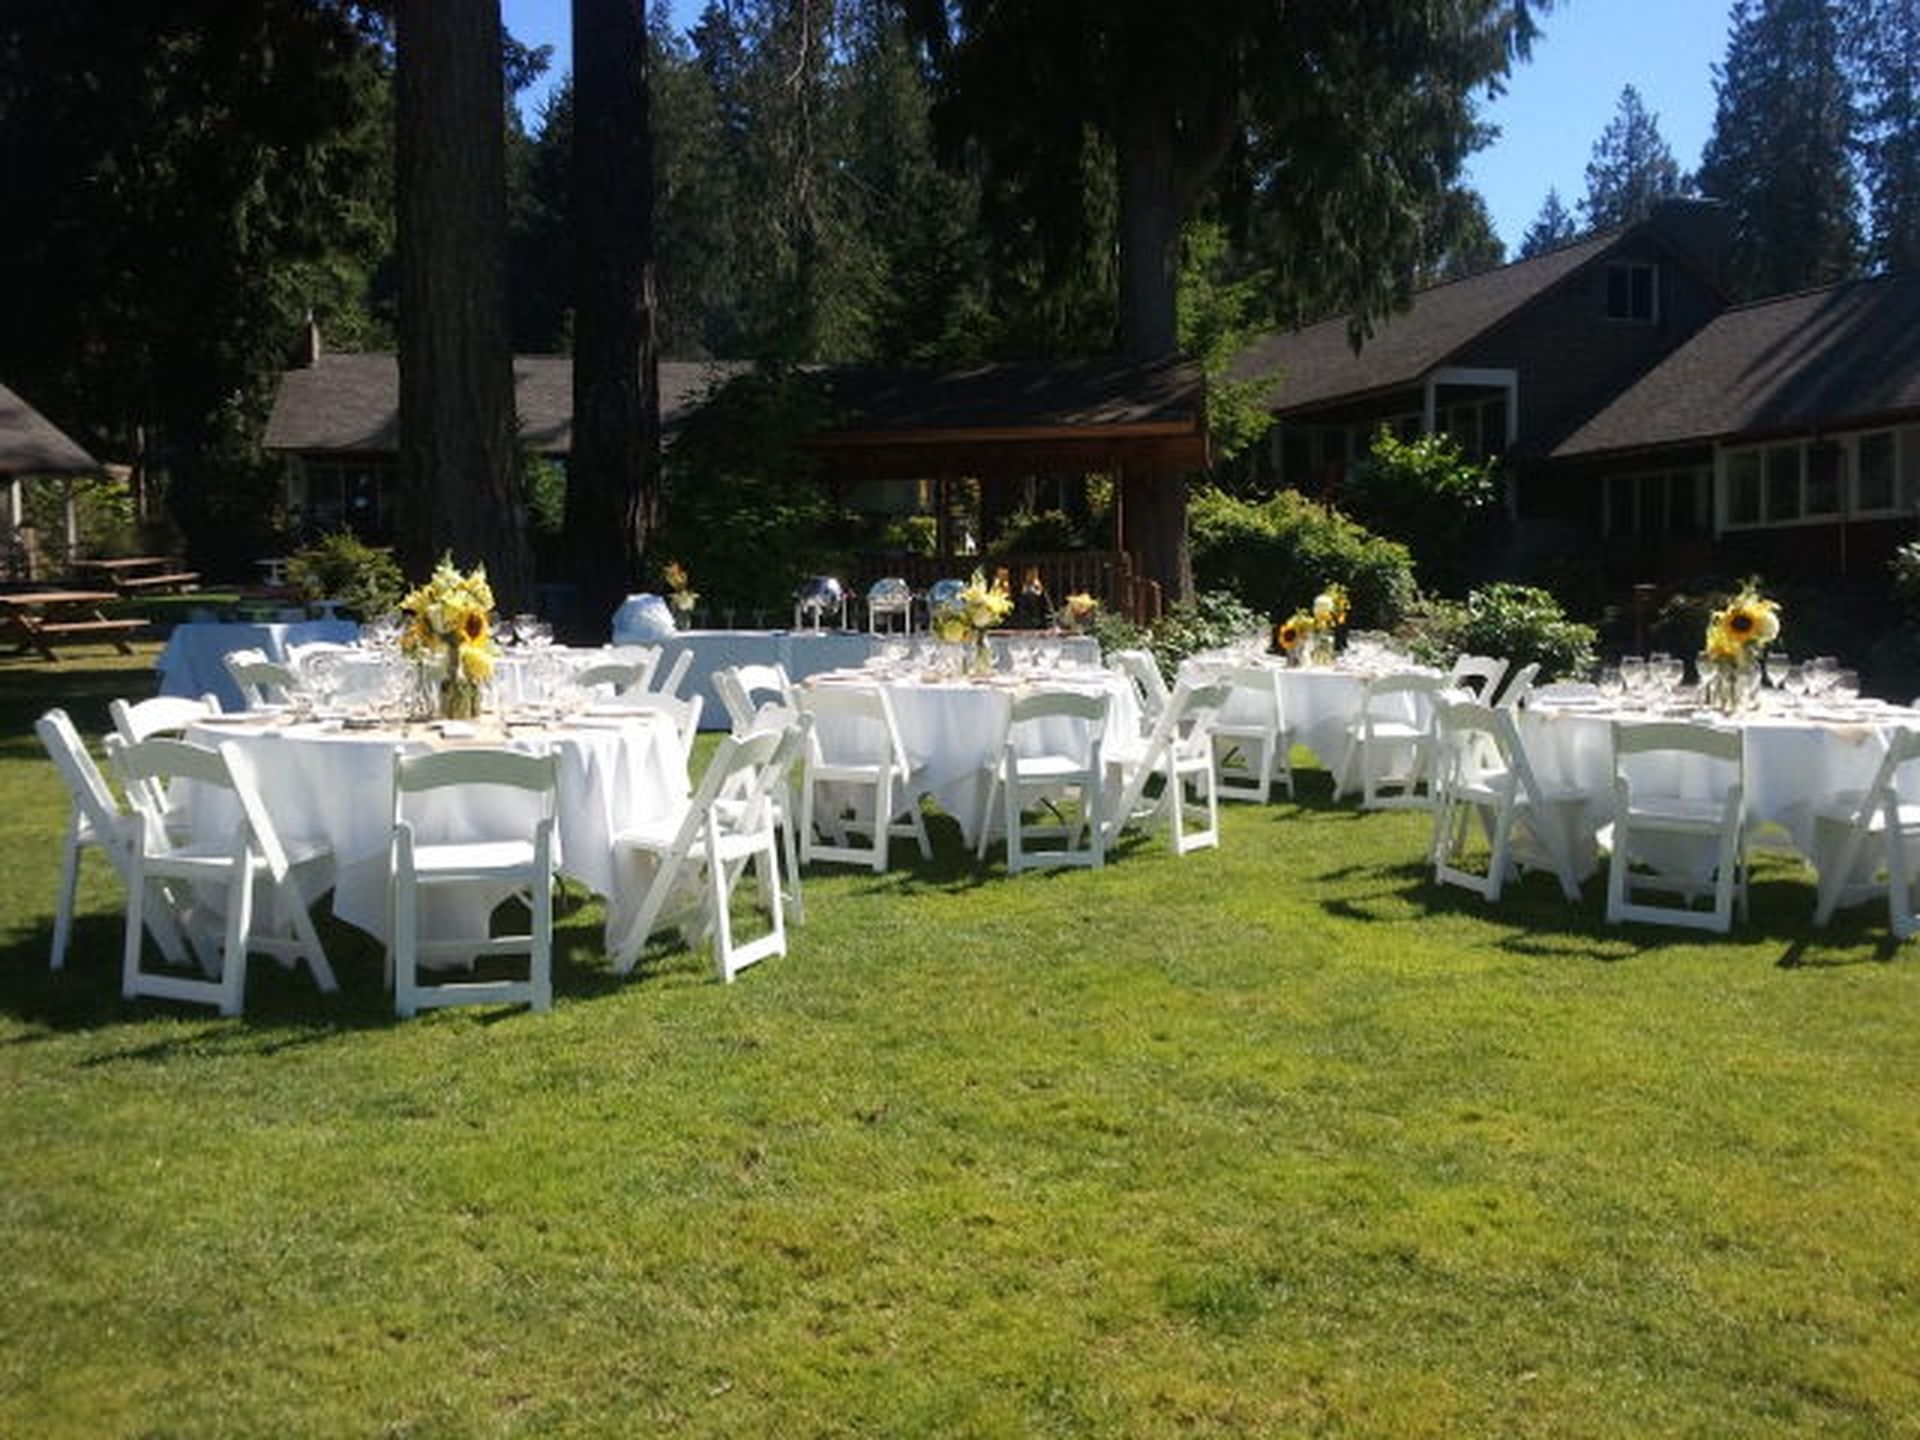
(1665, 821)
(683, 715)
(263, 683)
(1389, 748)
(1483, 777)
(1519, 686)
(239, 858)
(1252, 745)
(1478, 675)
(676, 672)
(744, 689)
(1050, 748)
(521, 865)
(746, 716)
(1149, 685)
(1180, 751)
(854, 752)
(1868, 843)
(611, 681)
(137, 720)
(727, 825)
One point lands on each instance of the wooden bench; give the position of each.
(143, 574)
(40, 617)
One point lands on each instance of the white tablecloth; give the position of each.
(194, 660)
(1322, 702)
(325, 785)
(951, 730)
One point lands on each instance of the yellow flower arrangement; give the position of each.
(449, 633)
(1294, 632)
(975, 610)
(680, 592)
(1736, 634)
(1330, 606)
(1080, 609)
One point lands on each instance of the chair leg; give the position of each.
(540, 958)
(136, 930)
(233, 959)
(67, 893)
(1617, 873)
(401, 945)
(790, 845)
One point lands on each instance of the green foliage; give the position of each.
(103, 514)
(1029, 532)
(545, 483)
(1278, 553)
(1223, 306)
(1905, 568)
(913, 534)
(1426, 494)
(1211, 619)
(1516, 622)
(1553, 227)
(343, 567)
(1631, 167)
(1116, 632)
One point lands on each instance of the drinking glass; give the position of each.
(1633, 676)
(1845, 686)
(1778, 663)
(1612, 686)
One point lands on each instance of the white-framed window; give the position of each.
(1656, 503)
(1811, 482)
(1478, 426)
(1633, 290)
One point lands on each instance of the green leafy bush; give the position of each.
(1277, 554)
(1027, 532)
(1518, 622)
(1211, 619)
(343, 567)
(1426, 494)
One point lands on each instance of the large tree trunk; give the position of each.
(613, 480)
(1151, 204)
(460, 481)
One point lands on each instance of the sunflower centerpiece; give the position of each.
(449, 636)
(966, 619)
(1311, 636)
(1737, 635)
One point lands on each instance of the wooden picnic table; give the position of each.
(40, 617)
(136, 574)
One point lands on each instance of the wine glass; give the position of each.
(1845, 686)
(1633, 676)
(320, 675)
(1777, 664)
(1612, 685)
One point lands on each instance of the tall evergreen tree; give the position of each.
(613, 478)
(1630, 168)
(460, 481)
(1551, 228)
(1781, 151)
(1887, 47)
(1464, 240)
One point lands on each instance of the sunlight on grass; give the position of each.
(1269, 1140)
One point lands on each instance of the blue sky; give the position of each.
(1554, 109)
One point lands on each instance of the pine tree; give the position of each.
(1631, 167)
(1551, 228)
(1887, 51)
(1780, 154)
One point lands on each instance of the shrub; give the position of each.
(1030, 532)
(343, 567)
(1428, 495)
(1518, 622)
(1211, 619)
(1277, 554)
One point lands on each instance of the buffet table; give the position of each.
(194, 660)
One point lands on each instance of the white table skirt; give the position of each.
(327, 786)
(951, 730)
(193, 661)
(1322, 702)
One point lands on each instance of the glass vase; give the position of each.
(1320, 648)
(459, 698)
(980, 655)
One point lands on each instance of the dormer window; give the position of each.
(1632, 291)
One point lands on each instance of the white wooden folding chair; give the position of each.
(1666, 820)
(747, 716)
(1478, 675)
(1389, 750)
(744, 689)
(1149, 685)
(726, 825)
(1483, 779)
(1179, 751)
(1252, 746)
(1519, 686)
(854, 753)
(669, 683)
(1867, 844)
(238, 859)
(682, 714)
(611, 681)
(520, 865)
(137, 720)
(1049, 749)
(263, 683)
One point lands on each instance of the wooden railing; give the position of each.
(1107, 575)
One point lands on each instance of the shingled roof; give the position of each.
(1318, 364)
(1838, 356)
(1110, 394)
(350, 402)
(31, 444)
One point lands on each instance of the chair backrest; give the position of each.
(682, 714)
(676, 672)
(1478, 674)
(739, 768)
(740, 686)
(150, 766)
(1183, 727)
(618, 676)
(1400, 683)
(1140, 667)
(442, 769)
(1258, 685)
(868, 725)
(1633, 740)
(1086, 714)
(136, 720)
(92, 798)
(1519, 686)
(1480, 746)
(1903, 748)
(261, 681)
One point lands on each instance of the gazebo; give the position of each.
(31, 446)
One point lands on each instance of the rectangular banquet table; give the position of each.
(194, 660)
(328, 785)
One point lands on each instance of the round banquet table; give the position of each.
(1794, 764)
(323, 784)
(952, 729)
(1322, 701)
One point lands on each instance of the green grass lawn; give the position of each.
(1276, 1139)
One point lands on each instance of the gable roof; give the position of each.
(1318, 364)
(1838, 355)
(1110, 393)
(31, 444)
(350, 401)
